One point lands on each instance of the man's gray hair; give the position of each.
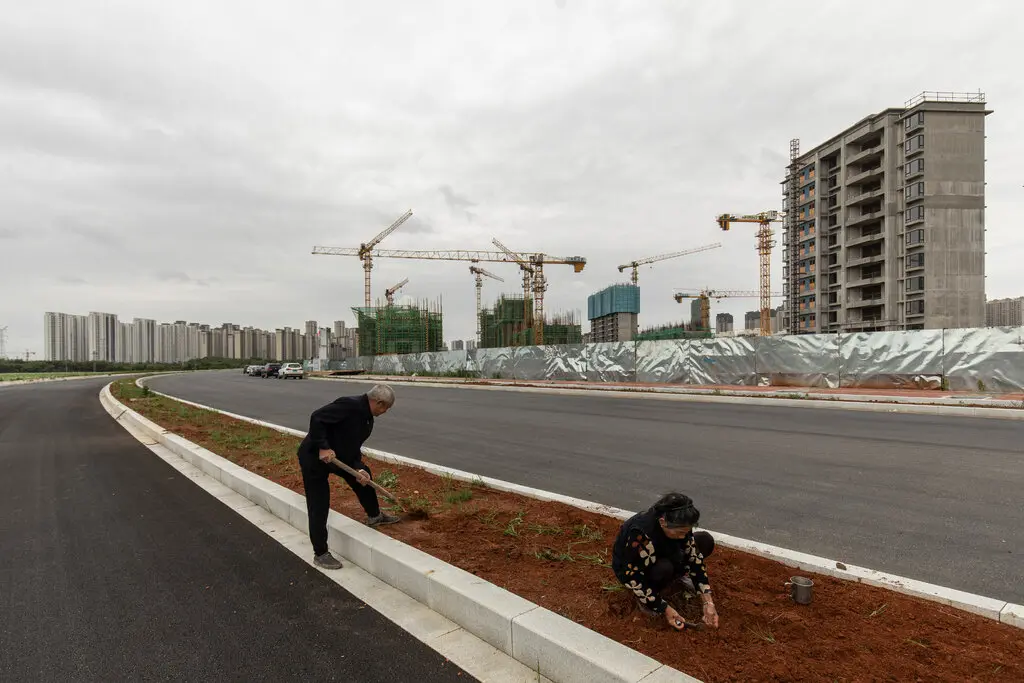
(382, 393)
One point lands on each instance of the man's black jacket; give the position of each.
(343, 426)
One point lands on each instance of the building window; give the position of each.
(914, 166)
(914, 213)
(911, 121)
(914, 190)
(913, 144)
(915, 236)
(915, 260)
(915, 284)
(915, 307)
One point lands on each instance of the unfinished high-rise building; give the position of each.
(613, 313)
(385, 329)
(509, 323)
(885, 222)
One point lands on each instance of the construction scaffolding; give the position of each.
(385, 329)
(507, 324)
(681, 330)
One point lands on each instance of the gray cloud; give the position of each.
(145, 154)
(71, 280)
(457, 204)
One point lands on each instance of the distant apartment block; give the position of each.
(458, 345)
(613, 313)
(885, 225)
(724, 322)
(102, 337)
(1005, 312)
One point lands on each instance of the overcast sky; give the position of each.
(180, 160)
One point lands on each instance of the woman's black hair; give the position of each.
(677, 509)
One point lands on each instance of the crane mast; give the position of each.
(480, 273)
(765, 243)
(389, 293)
(365, 253)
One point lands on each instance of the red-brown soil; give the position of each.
(557, 556)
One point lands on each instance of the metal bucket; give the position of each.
(801, 589)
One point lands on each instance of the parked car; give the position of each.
(270, 370)
(291, 371)
(254, 370)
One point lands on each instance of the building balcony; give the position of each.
(867, 154)
(865, 217)
(874, 321)
(864, 196)
(806, 180)
(865, 281)
(865, 175)
(861, 303)
(865, 260)
(865, 238)
(835, 266)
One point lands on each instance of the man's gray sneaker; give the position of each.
(382, 518)
(327, 561)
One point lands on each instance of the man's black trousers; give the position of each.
(315, 473)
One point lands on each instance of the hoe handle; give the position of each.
(374, 484)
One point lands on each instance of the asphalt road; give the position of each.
(116, 567)
(938, 499)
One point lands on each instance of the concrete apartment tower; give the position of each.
(885, 224)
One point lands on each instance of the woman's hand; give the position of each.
(674, 619)
(710, 615)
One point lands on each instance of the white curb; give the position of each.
(992, 608)
(868, 404)
(555, 647)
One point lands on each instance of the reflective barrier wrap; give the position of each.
(985, 359)
(804, 360)
(891, 360)
(436, 362)
(610, 362)
(494, 363)
(725, 360)
(661, 361)
(557, 362)
(391, 364)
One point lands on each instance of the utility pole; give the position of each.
(3, 341)
(28, 353)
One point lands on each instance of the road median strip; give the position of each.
(751, 598)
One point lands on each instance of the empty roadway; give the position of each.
(114, 566)
(934, 498)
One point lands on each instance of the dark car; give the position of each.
(270, 370)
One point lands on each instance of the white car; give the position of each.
(291, 371)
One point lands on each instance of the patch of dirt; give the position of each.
(558, 556)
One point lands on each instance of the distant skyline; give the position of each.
(153, 165)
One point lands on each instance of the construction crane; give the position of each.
(765, 242)
(663, 257)
(389, 293)
(529, 283)
(480, 273)
(706, 295)
(536, 261)
(365, 253)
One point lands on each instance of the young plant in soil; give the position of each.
(558, 557)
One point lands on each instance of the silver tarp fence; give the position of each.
(982, 359)
(985, 359)
(891, 360)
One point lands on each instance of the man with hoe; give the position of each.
(338, 430)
